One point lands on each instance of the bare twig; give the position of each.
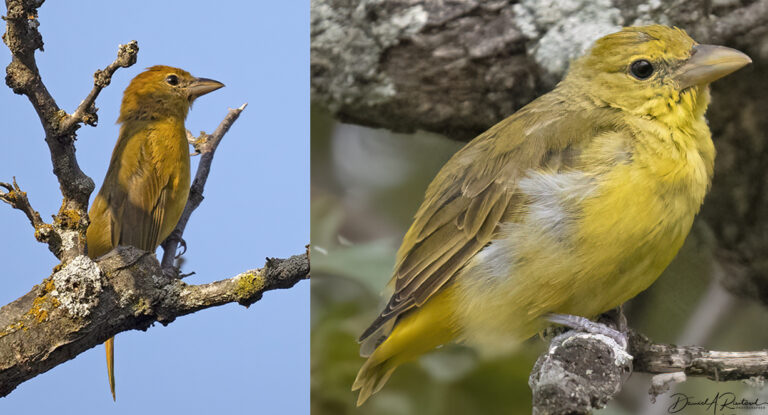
(208, 148)
(84, 303)
(17, 198)
(23, 76)
(697, 361)
(86, 111)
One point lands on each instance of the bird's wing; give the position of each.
(137, 216)
(468, 199)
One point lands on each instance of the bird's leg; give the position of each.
(585, 324)
(172, 259)
(172, 272)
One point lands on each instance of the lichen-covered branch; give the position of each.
(207, 147)
(85, 302)
(14, 196)
(458, 67)
(23, 77)
(697, 361)
(581, 372)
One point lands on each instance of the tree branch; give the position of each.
(207, 148)
(14, 196)
(23, 77)
(86, 111)
(581, 372)
(458, 67)
(697, 361)
(85, 302)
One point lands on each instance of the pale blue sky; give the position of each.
(256, 203)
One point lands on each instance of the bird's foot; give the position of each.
(585, 324)
(183, 245)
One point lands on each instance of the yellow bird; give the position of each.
(571, 206)
(147, 183)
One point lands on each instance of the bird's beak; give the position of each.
(709, 63)
(202, 86)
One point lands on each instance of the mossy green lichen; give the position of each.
(249, 284)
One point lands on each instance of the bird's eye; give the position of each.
(641, 69)
(172, 80)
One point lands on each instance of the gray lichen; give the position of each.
(356, 46)
(69, 239)
(562, 30)
(579, 373)
(652, 12)
(620, 355)
(77, 286)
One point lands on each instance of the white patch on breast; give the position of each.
(495, 290)
(553, 197)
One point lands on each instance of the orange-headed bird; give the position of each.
(147, 183)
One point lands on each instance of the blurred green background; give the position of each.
(366, 186)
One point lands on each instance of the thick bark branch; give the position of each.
(458, 67)
(579, 373)
(207, 147)
(86, 302)
(67, 239)
(582, 372)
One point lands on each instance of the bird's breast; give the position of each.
(585, 241)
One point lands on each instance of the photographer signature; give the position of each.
(716, 404)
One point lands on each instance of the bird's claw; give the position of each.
(183, 245)
(589, 326)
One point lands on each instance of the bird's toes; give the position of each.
(589, 326)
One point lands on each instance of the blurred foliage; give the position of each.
(366, 185)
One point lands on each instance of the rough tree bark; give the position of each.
(84, 302)
(458, 67)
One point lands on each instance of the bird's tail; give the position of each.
(109, 345)
(417, 332)
(372, 377)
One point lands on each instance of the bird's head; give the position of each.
(161, 92)
(653, 71)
